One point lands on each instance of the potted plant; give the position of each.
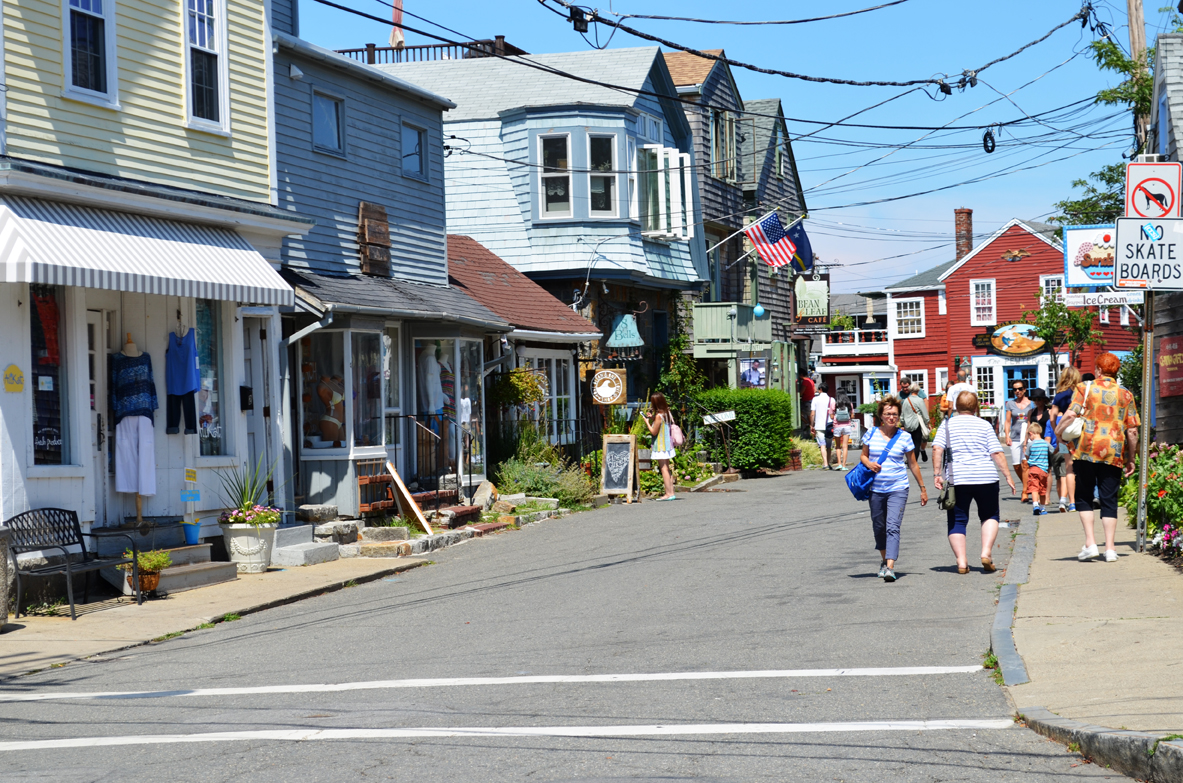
(249, 526)
(150, 563)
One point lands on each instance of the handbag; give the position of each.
(947, 499)
(924, 428)
(1075, 427)
(860, 479)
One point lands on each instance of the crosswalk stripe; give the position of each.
(899, 671)
(692, 729)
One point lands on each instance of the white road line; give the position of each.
(310, 735)
(902, 671)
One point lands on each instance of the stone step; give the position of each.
(464, 515)
(379, 549)
(306, 553)
(185, 555)
(179, 578)
(290, 535)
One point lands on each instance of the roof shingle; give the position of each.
(689, 69)
(485, 277)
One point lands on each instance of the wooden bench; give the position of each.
(44, 529)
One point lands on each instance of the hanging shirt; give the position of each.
(181, 372)
(133, 389)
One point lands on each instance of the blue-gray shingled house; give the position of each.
(589, 189)
(384, 358)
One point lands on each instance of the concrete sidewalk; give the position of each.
(1101, 641)
(34, 643)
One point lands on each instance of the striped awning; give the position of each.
(54, 243)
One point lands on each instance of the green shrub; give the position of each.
(811, 453)
(151, 561)
(761, 435)
(540, 470)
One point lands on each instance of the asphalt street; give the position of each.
(737, 617)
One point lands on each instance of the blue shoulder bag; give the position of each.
(861, 478)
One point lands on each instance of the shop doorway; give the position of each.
(849, 385)
(100, 426)
(1028, 374)
(257, 377)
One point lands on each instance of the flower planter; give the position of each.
(249, 546)
(148, 581)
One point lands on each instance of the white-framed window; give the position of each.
(89, 51)
(1103, 314)
(942, 378)
(328, 123)
(649, 128)
(666, 197)
(392, 406)
(414, 151)
(213, 398)
(942, 303)
(909, 318)
(723, 149)
(982, 303)
(984, 384)
(555, 177)
(601, 157)
(916, 376)
(631, 152)
(206, 68)
(1051, 285)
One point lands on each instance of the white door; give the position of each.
(257, 376)
(96, 363)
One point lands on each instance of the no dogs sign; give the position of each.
(1152, 190)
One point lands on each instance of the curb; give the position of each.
(1138, 754)
(1002, 641)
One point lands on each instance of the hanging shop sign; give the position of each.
(1170, 366)
(1150, 254)
(1013, 339)
(610, 387)
(14, 379)
(625, 333)
(1089, 253)
(812, 301)
(1104, 299)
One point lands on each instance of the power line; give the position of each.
(787, 21)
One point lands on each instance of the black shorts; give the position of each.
(917, 437)
(1105, 478)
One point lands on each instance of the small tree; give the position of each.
(1059, 325)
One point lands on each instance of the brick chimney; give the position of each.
(963, 221)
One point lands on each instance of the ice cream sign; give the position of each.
(1089, 253)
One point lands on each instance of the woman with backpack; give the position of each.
(843, 427)
(660, 421)
(915, 417)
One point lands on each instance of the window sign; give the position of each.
(51, 412)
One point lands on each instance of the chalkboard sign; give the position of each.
(620, 466)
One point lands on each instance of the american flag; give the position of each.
(771, 241)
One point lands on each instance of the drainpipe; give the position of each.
(285, 386)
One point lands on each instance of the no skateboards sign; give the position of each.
(1152, 190)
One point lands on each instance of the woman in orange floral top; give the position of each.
(1104, 452)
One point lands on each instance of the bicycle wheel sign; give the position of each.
(1152, 190)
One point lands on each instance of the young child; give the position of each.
(1036, 456)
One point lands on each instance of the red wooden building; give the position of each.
(969, 312)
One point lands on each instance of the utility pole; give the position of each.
(1137, 24)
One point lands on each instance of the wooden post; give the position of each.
(371, 54)
(1137, 25)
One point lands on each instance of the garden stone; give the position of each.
(504, 507)
(336, 532)
(349, 550)
(316, 513)
(385, 534)
(485, 495)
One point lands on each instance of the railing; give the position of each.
(714, 323)
(862, 341)
(372, 54)
(572, 437)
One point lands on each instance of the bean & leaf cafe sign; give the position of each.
(1013, 338)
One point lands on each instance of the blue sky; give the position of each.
(913, 40)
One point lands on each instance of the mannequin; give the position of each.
(134, 396)
(332, 395)
(129, 348)
(431, 393)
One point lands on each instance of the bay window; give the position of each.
(666, 197)
(602, 186)
(556, 176)
(322, 392)
(48, 378)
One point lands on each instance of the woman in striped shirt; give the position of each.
(975, 461)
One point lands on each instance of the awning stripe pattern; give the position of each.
(64, 244)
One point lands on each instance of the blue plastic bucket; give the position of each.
(192, 533)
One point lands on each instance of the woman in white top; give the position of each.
(976, 459)
(890, 461)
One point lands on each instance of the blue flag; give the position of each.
(802, 250)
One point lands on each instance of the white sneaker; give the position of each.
(1110, 556)
(1063, 506)
(1087, 553)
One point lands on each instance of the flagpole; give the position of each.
(737, 233)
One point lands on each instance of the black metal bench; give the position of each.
(44, 529)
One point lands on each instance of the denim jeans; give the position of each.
(887, 514)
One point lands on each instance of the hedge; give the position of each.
(761, 435)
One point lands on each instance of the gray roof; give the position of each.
(856, 305)
(360, 70)
(483, 87)
(763, 125)
(926, 279)
(1049, 230)
(397, 297)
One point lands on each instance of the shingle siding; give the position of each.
(328, 187)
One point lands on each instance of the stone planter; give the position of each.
(249, 546)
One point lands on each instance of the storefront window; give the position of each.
(367, 389)
(435, 403)
(391, 377)
(47, 375)
(470, 408)
(322, 395)
(210, 397)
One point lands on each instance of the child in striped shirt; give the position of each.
(1035, 463)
